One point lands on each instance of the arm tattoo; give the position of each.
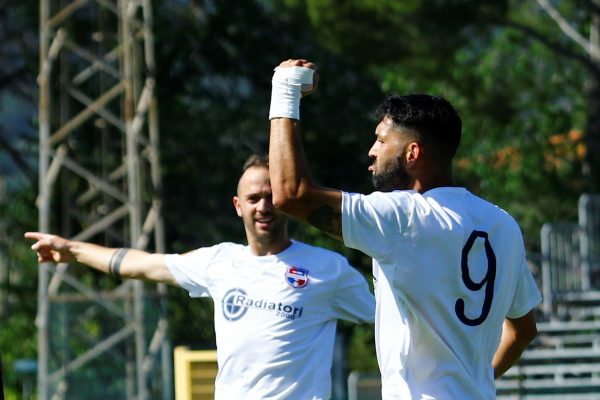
(327, 220)
(114, 265)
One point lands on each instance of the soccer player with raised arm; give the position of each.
(276, 300)
(454, 294)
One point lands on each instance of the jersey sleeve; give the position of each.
(352, 299)
(190, 269)
(373, 223)
(527, 294)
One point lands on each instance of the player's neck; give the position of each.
(433, 181)
(269, 247)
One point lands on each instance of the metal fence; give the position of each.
(364, 386)
(571, 264)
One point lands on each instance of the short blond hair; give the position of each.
(256, 160)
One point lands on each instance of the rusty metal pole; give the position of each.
(43, 199)
(107, 83)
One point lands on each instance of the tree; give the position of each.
(18, 178)
(574, 34)
(18, 48)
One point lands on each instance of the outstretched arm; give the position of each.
(293, 190)
(125, 263)
(517, 333)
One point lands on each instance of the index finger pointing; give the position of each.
(34, 235)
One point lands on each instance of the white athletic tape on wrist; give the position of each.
(288, 84)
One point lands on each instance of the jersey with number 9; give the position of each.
(449, 268)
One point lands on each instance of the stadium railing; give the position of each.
(589, 229)
(570, 259)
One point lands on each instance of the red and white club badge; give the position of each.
(296, 277)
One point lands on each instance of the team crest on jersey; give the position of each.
(296, 277)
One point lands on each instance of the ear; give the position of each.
(236, 204)
(414, 152)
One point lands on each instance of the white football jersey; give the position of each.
(449, 267)
(275, 316)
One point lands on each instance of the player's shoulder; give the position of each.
(223, 249)
(495, 212)
(222, 246)
(389, 202)
(489, 204)
(229, 246)
(393, 196)
(230, 249)
(321, 256)
(305, 247)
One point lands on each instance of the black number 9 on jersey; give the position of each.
(487, 281)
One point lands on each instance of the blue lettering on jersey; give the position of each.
(232, 309)
(487, 283)
(236, 303)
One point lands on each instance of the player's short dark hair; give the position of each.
(432, 118)
(256, 160)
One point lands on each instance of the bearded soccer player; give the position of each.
(454, 294)
(277, 300)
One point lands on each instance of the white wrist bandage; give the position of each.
(288, 84)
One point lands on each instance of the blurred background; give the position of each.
(524, 75)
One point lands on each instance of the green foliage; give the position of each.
(361, 348)
(191, 320)
(18, 294)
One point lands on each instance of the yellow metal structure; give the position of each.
(195, 373)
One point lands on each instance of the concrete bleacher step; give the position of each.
(561, 371)
(561, 354)
(557, 396)
(563, 362)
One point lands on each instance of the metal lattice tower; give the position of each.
(99, 181)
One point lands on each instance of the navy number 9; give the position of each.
(487, 281)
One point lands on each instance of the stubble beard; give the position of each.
(273, 234)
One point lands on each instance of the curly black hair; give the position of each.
(431, 118)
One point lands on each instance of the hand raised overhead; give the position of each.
(292, 80)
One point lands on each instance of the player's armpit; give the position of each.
(324, 210)
(319, 207)
(326, 219)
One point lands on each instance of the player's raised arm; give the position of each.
(293, 190)
(121, 263)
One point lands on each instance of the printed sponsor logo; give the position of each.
(232, 310)
(296, 277)
(236, 303)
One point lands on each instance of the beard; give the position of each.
(273, 233)
(393, 176)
